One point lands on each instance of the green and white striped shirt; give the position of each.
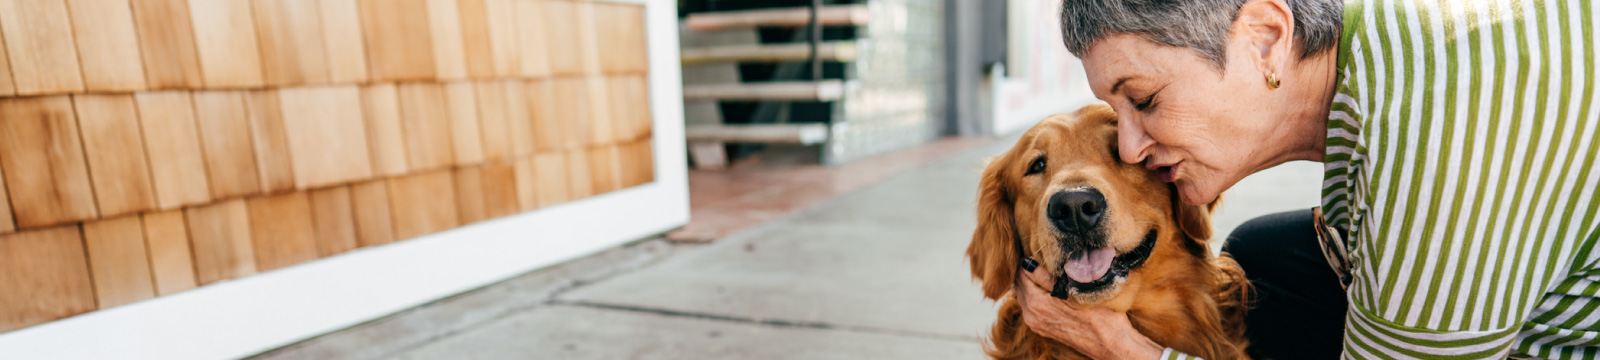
(1461, 161)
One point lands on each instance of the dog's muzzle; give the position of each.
(1120, 267)
(1078, 215)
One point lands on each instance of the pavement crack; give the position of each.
(769, 322)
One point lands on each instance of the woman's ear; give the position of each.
(993, 252)
(1268, 27)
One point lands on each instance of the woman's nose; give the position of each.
(1133, 142)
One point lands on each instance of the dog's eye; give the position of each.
(1036, 167)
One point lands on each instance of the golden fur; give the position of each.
(1181, 297)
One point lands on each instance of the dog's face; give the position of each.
(1089, 219)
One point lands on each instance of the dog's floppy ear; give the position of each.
(1195, 220)
(993, 252)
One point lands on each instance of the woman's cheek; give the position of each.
(1179, 125)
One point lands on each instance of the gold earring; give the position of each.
(1272, 81)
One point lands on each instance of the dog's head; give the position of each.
(1091, 220)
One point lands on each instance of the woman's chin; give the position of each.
(1195, 195)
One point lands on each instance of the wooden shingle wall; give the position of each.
(148, 147)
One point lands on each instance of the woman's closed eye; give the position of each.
(1144, 104)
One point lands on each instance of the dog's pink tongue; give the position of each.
(1085, 267)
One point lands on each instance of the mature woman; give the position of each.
(1459, 210)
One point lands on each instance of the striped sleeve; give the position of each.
(1170, 354)
(1461, 160)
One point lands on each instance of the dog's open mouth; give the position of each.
(1091, 270)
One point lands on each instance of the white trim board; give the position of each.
(243, 317)
(1009, 120)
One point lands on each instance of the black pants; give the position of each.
(1299, 307)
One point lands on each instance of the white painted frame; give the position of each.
(243, 317)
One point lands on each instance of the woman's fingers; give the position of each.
(1036, 301)
(1033, 308)
(1042, 278)
(1050, 317)
(1086, 329)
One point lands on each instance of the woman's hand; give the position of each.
(1099, 333)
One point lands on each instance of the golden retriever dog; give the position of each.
(1111, 233)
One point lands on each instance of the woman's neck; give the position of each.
(1308, 103)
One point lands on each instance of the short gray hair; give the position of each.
(1201, 25)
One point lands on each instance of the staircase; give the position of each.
(720, 46)
(840, 51)
(820, 90)
(837, 15)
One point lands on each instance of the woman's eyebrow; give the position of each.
(1118, 84)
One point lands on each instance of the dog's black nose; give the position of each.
(1076, 210)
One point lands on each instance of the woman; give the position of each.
(1459, 210)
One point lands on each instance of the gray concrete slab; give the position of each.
(380, 338)
(570, 332)
(890, 257)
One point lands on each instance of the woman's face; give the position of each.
(1194, 127)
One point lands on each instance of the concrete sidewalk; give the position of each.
(874, 274)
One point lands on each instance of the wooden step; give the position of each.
(841, 51)
(803, 134)
(836, 15)
(826, 90)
